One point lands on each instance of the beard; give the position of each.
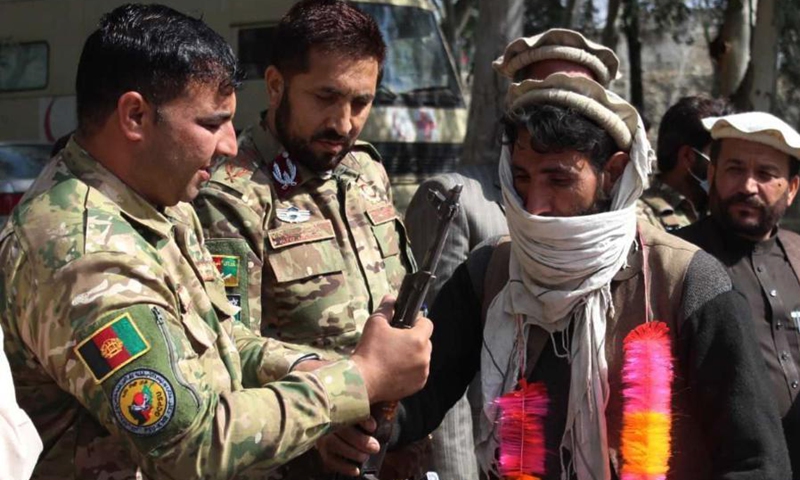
(766, 217)
(299, 149)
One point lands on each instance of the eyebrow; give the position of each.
(217, 117)
(364, 97)
(559, 169)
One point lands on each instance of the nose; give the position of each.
(227, 145)
(342, 121)
(536, 203)
(750, 184)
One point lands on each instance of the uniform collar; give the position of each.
(270, 148)
(117, 195)
(672, 196)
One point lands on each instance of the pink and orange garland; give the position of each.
(646, 418)
(647, 393)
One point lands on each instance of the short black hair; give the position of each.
(682, 125)
(716, 148)
(153, 50)
(556, 129)
(331, 26)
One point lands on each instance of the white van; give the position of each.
(418, 120)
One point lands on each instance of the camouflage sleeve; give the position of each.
(111, 332)
(232, 228)
(264, 359)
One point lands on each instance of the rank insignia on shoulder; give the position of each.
(111, 347)
(228, 267)
(143, 402)
(284, 171)
(293, 214)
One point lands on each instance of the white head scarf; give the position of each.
(560, 273)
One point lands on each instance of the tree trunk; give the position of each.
(500, 22)
(632, 33)
(764, 57)
(610, 30)
(572, 14)
(730, 50)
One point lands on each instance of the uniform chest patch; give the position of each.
(143, 402)
(111, 347)
(236, 301)
(292, 214)
(381, 214)
(228, 267)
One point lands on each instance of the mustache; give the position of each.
(746, 199)
(330, 135)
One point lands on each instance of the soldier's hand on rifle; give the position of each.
(344, 450)
(394, 362)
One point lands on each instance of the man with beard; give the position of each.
(124, 350)
(301, 223)
(754, 179)
(630, 347)
(678, 195)
(482, 214)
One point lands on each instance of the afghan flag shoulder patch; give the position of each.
(112, 346)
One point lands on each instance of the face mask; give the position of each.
(702, 182)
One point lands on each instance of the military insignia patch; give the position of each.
(113, 346)
(236, 301)
(381, 214)
(143, 402)
(228, 267)
(293, 214)
(284, 171)
(370, 194)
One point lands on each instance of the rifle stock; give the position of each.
(407, 307)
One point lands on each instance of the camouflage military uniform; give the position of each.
(665, 208)
(321, 250)
(124, 350)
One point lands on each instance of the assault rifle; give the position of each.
(409, 303)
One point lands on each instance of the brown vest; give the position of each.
(668, 259)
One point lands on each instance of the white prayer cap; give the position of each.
(559, 44)
(759, 127)
(616, 116)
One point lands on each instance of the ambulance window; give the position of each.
(417, 71)
(255, 50)
(23, 66)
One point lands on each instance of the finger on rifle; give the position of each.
(369, 425)
(358, 441)
(386, 307)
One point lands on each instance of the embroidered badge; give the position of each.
(111, 347)
(228, 267)
(293, 214)
(143, 402)
(370, 194)
(236, 301)
(382, 214)
(284, 171)
(239, 166)
(307, 232)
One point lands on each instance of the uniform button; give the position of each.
(759, 269)
(773, 293)
(784, 356)
(795, 384)
(778, 326)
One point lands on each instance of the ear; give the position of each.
(794, 183)
(275, 85)
(131, 114)
(613, 170)
(685, 157)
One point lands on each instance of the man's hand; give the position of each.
(346, 449)
(394, 362)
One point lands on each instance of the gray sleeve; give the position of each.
(421, 222)
(705, 279)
